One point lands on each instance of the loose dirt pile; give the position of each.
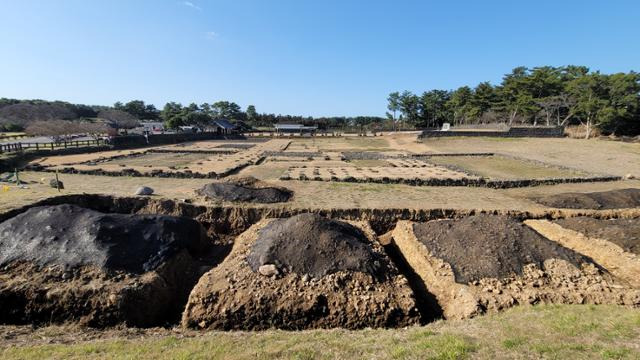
(622, 232)
(268, 281)
(70, 236)
(66, 263)
(488, 246)
(246, 189)
(614, 199)
(309, 244)
(487, 263)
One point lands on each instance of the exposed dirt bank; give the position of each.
(489, 246)
(622, 232)
(619, 262)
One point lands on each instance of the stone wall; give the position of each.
(512, 132)
(130, 141)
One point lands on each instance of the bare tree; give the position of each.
(119, 119)
(94, 129)
(57, 130)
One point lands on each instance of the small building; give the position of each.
(152, 127)
(189, 129)
(295, 128)
(224, 127)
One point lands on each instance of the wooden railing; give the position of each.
(25, 146)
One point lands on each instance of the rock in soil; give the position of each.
(67, 263)
(144, 191)
(245, 190)
(613, 199)
(56, 184)
(235, 296)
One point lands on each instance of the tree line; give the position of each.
(42, 117)
(544, 95)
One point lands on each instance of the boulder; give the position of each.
(56, 184)
(144, 191)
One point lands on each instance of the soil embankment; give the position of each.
(622, 232)
(614, 199)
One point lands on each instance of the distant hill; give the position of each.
(23, 112)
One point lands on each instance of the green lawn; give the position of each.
(554, 332)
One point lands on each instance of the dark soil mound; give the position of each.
(622, 232)
(70, 236)
(308, 244)
(66, 263)
(246, 190)
(489, 246)
(234, 296)
(614, 199)
(237, 146)
(358, 155)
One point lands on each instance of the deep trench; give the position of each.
(426, 302)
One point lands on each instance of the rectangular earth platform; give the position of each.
(124, 162)
(377, 173)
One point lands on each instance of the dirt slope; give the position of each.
(622, 232)
(309, 244)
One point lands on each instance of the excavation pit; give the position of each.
(293, 290)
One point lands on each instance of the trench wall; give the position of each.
(235, 219)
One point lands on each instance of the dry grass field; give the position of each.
(594, 156)
(541, 331)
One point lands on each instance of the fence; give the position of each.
(23, 146)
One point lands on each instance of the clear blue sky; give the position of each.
(305, 57)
